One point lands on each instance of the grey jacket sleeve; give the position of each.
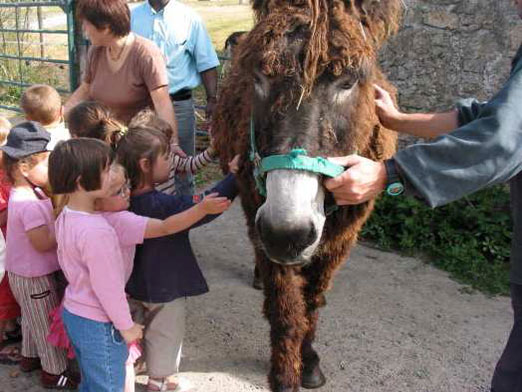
(468, 110)
(481, 153)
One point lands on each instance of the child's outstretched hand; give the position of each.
(233, 165)
(133, 333)
(214, 204)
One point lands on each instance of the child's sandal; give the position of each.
(10, 355)
(161, 386)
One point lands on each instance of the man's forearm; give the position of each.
(210, 82)
(426, 125)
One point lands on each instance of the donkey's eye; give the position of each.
(346, 85)
(257, 79)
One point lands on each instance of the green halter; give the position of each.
(297, 159)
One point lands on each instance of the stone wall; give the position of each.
(449, 49)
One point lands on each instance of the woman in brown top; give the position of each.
(125, 72)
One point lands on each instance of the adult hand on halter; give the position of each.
(363, 180)
(385, 108)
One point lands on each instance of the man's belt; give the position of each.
(181, 95)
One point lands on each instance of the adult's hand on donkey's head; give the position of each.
(388, 114)
(363, 180)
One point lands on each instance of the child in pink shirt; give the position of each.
(96, 313)
(31, 259)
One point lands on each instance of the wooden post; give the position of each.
(40, 27)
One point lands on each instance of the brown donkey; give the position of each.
(303, 77)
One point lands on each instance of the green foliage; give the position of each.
(469, 238)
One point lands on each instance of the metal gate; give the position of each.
(37, 45)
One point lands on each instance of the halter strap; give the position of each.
(297, 159)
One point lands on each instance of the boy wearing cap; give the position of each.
(43, 104)
(31, 258)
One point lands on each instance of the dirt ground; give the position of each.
(392, 324)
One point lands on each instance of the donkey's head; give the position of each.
(312, 65)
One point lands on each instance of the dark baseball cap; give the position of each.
(26, 138)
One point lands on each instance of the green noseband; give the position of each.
(297, 159)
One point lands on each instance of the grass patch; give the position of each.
(223, 18)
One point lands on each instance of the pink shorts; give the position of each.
(9, 308)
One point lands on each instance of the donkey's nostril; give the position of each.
(286, 244)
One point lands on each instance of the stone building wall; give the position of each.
(449, 49)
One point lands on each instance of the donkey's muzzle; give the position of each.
(287, 245)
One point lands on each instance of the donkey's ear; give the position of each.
(380, 18)
(260, 8)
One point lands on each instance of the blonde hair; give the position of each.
(41, 103)
(147, 118)
(5, 127)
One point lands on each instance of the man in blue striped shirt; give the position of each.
(191, 59)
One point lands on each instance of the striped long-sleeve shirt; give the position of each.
(185, 165)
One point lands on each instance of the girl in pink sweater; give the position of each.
(96, 313)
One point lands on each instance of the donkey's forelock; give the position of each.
(332, 35)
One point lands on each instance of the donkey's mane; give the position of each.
(336, 35)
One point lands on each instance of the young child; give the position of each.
(126, 229)
(180, 165)
(31, 259)
(9, 309)
(114, 209)
(160, 297)
(43, 104)
(96, 313)
(92, 119)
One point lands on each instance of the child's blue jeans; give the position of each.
(101, 353)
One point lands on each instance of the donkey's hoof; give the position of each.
(313, 378)
(257, 283)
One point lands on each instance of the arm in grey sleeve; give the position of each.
(481, 153)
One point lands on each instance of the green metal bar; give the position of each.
(21, 84)
(57, 3)
(71, 28)
(37, 43)
(24, 58)
(34, 31)
(12, 108)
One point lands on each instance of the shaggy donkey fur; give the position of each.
(300, 45)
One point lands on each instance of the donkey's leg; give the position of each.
(312, 376)
(286, 311)
(257, 281)
(318, 276)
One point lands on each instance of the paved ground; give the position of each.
(392, 324)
